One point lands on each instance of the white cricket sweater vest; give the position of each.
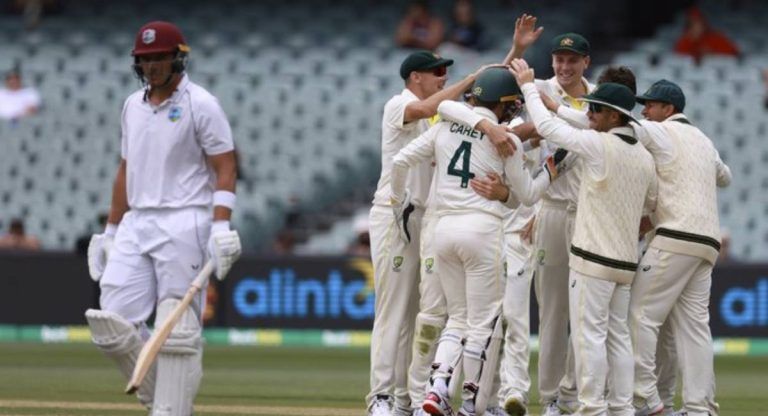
(604, 242)
(686, 211)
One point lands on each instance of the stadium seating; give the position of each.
(303, 86)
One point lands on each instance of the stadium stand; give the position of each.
(303, 86)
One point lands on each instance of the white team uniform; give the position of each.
(468, 233)
(514, 377)
(433, 313)
(161, 241)
(674, 281)
(395, 264)
(551, 239)
(160, 244)
(618, 181)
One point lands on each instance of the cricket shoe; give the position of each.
(515, 406)
(380, 406)
(437, 405)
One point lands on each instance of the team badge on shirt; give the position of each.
(174, 114)
(396, 263)
(429, 263)
(540, 256)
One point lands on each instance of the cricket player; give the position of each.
(676, 274)
(514, 378)
(666, 356)
(554, 226)
(396, 261)
(171, 203)
(468, 233)
(618, 182)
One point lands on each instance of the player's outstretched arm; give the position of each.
(427, 107)
(498, 134)
(525, 35)
(555, 130)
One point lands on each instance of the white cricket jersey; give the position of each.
(566, 188)
(165, 147)
(619, 181)
(396, 134)
(462, 153)
(689, 170)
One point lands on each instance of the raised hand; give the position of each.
(526, 32)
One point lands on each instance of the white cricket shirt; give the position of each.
(165, 147)
(565, 188)
(396, 134)
(462, 153)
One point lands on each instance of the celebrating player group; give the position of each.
(551, 181)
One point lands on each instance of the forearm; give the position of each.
(573, 116)
(398, 178)
(514, 53)
(119, 204)
(554, 130)
(225, 168)
(460, 113)
(452, 92)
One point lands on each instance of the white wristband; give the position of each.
(224, 199)
(110, 229)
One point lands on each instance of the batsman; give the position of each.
(171, 203)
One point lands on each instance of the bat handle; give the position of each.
(203, 275)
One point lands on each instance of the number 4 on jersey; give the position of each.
(464, 152)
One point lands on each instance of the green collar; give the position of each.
(626, 138)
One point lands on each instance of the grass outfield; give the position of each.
(74, 379)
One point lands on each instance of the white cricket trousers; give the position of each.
(515, 380)
(432, 315)
(471, 256)
(601, 340)
(396, 280)
(552, 241)
(675, 287)
(155, 256)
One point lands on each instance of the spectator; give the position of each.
(466, 31)
(16, 239)
(361, 246)
(700, 39)
(284, 243)
(419, 28)
(17, 102)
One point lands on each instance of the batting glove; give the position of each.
(223, 248)
(554, 164)
(98, 251)
(402, 211)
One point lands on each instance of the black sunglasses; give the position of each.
(438, 71)
(595, 108)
